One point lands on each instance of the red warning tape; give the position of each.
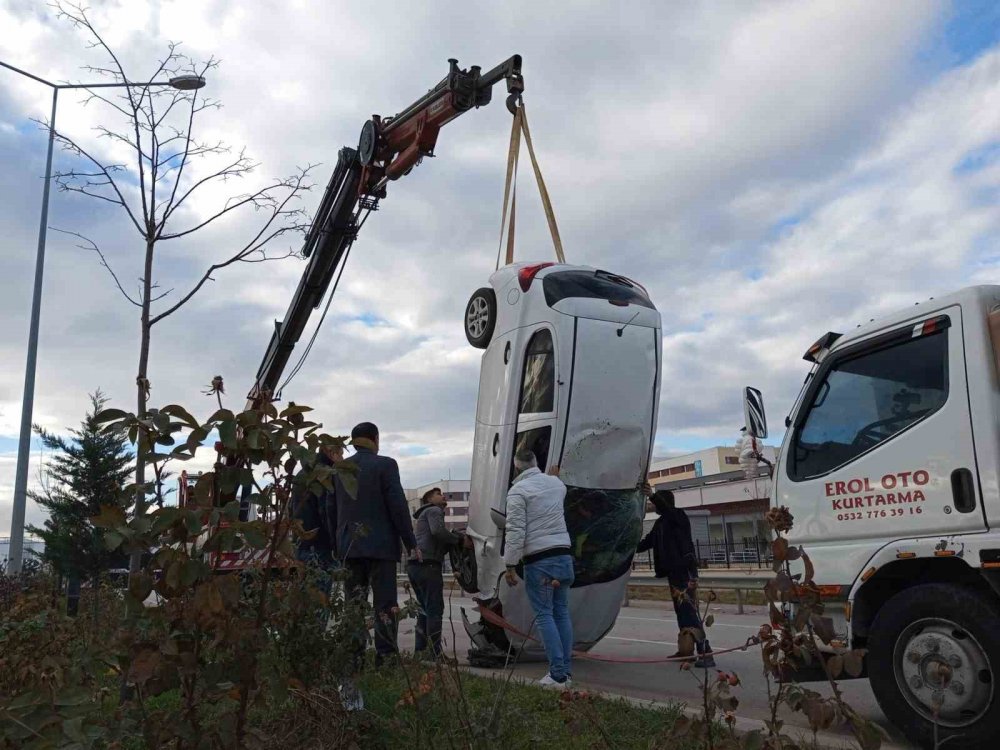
(492, 617)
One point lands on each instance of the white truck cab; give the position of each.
(890, 468)
(571, 371)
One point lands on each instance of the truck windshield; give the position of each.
(865, 399)
(594, 285)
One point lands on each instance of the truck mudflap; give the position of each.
(490, 647)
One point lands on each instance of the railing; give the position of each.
(748, 553)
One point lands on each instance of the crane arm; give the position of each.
(388, 149)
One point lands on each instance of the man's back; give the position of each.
(372, 524)
(536, 519)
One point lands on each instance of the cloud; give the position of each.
(769, 172)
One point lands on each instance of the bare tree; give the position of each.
(166, 172)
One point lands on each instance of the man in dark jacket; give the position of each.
(309, 505)
(370, 531)
(674, 558)
(434, 540)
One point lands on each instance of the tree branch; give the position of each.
(104, 261)
(296, 186)
(72, 146)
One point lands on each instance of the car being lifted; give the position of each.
(571, 371)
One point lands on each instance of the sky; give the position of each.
(769, 171)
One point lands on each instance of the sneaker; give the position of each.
(705, 661)
(351, 697)
(548, 681)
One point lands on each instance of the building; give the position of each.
(703, 463)
(456, 491)
(712, 480)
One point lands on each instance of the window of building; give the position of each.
(538, 383)
(864, 399)
(732, 460)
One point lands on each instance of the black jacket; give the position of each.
(309, 505)
(373, 524)
(673, 550)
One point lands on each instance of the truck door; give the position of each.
(883, 445)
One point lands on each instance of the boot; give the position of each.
(705, 658)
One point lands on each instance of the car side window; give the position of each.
(537, 441)
(866, 398)
(538, 382)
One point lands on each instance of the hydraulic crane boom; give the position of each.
(388, 149)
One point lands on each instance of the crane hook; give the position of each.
(513, 101)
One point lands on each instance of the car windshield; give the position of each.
(605, 527)
(593, 285)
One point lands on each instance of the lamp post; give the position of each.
(182, 83)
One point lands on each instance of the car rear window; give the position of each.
(594, 285)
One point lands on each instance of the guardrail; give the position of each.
(752, 580)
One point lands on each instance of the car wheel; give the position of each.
(481, 317)
(930, 660)
(463, 564)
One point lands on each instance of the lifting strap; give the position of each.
(519, 126)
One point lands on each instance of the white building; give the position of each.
(456, 492)
(703, 463)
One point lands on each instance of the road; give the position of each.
(645, 629)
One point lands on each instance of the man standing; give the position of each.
(434, 539)
(368, 530)
(536, 534)
(309, 506)
(674, 558)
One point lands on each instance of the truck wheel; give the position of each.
(932, 651)
(481, 317)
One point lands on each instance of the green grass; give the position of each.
(527, 716)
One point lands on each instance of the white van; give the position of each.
(571, 371)
(890, 466)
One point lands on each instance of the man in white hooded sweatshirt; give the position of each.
(536, 534)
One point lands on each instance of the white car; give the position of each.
(571, 371)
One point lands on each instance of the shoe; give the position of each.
(350, 696)
(548, 681)
(705, 661)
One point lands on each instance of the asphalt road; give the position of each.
(646, 629)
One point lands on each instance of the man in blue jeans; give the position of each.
(536, 534)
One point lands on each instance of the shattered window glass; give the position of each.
(605, 527)
(538, 384)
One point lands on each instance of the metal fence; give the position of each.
(744, 553)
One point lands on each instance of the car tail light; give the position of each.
(527, 274)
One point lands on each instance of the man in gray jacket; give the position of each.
(536, 535)
(434, 540)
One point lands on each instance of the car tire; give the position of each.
(918, 633)
(481, 317)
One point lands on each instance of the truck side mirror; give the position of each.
(753, 413)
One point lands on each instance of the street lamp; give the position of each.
(181, 83)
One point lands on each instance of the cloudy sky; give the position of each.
(769, 171)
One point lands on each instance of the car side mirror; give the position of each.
(753, 413)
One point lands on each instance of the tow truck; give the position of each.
(890, 467)
(388, 148)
